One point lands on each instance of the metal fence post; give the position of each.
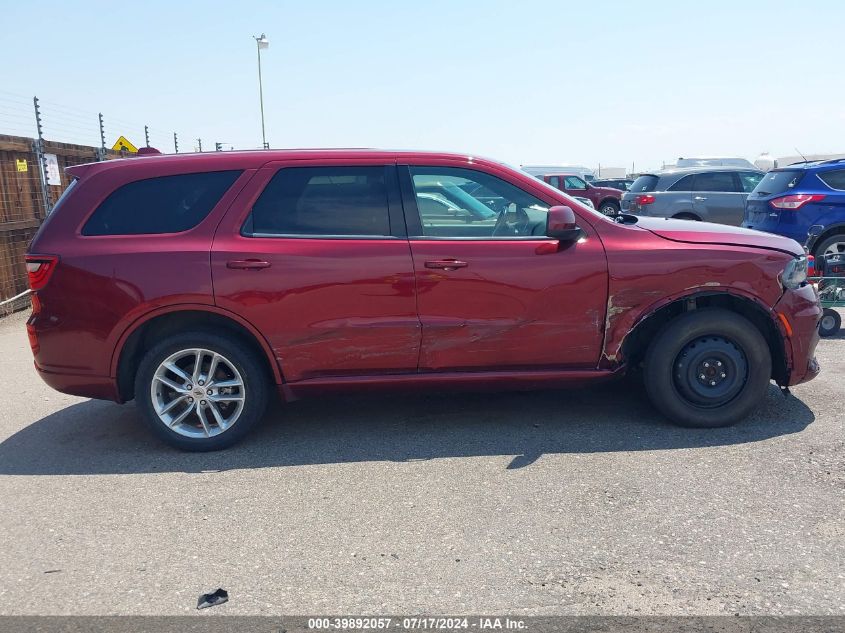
(101, 153)
(38, 148)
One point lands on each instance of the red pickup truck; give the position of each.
(604, 199)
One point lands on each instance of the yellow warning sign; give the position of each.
(20, 163)
(124, 143)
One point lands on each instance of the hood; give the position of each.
(693, 232)
(609, 191)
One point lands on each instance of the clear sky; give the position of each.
(604, 82)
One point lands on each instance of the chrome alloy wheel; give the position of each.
(836, 248)
(197, 393)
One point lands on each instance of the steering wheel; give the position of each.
(504, 228)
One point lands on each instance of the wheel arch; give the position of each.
(830, 231)
(611, 200)
(154, 325)
(687, 215)
(654, 319)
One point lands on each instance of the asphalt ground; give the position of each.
(554, 502)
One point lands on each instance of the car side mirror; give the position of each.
(561, 225)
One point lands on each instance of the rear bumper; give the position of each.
(97, 387)
(802, 310)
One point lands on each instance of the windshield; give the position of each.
(644, 183)
(778, 182)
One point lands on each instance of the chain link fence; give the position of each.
(38, 140)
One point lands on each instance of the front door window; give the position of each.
(462, 203)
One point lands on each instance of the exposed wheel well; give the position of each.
(165, 325)
(637, 342)
(836, 230)
(611, 201)
(687, 215)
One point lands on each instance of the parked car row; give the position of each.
(786, 201)
(711, 194)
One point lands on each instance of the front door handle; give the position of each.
(247, 264)
(699, 198)
(446, 264)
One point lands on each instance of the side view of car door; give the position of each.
(718, 196)
(493, 292)
(315, 257)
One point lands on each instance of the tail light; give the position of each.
(39, 268)
(795, 201)
(644, 199)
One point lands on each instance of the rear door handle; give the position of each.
(247, 264)
(446, 264)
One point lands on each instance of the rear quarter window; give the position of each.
(834, 179)
(168, 204)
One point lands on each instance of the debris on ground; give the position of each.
(212, 599)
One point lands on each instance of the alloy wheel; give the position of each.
(197, 393)
(836, 248)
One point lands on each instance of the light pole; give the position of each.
(261, 43)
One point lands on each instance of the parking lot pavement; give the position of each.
(556, 502)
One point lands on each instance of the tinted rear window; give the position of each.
(644, 183)
(778, 182)
(169, 204)
(322, 201)
(834, 179)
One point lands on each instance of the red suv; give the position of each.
(606, 199)
(196, 283)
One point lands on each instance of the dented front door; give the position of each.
(515, 305)
(499, 303)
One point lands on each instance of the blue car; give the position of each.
(789, 200)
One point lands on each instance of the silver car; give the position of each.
(711, 194)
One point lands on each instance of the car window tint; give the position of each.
(573, 182)
(715, 181)
(168, 204)
(457, 202)
(834, 179)
(644, 183)
(323, 201)
(684, 184)
(749, 180)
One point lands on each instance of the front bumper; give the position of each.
(802, 311)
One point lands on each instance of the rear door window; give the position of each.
(716, 181)
(168, 204)
(834, 179)
(323, 201)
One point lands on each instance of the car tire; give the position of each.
(830, 322)
(216, 409)
(609, 208)
(828, 242)
(707, 368)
